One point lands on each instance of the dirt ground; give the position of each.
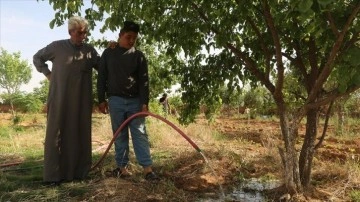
(248, 149)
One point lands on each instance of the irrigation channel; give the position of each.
(249, 191)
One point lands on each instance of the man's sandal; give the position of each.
(121, 173)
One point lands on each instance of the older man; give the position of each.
(67, 154)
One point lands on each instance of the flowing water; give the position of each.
(249, 191)
(222, 194)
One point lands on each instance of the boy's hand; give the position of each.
(104, 108)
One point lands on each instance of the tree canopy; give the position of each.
(240, 40)
(312, 44)
(13, 71)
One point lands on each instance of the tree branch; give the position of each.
(251, 66)
(300, 60)
(332, 24)
(331, 96)
(278, 55)
(352, 41)
(263, 46)
(313, 64)
(332, 56)
(325, 126)
(298, 63)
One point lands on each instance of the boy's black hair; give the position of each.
(130, 26)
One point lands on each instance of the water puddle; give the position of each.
(249, 191)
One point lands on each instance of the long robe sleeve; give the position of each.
(41, 57)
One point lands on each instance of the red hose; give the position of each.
(10, 164)
(144, 114)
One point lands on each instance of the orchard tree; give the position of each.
(13, 73)
(41, 92)
(24, 102)
(161, 69)
(261, 41)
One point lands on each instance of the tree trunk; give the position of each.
(288, 154)
(341, 117)
(308, 148)
(12, 110)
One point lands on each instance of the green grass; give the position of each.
(22, 146)
(355, 195)
(4, 132)
(24, 183)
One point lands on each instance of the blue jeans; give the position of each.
(120, 109)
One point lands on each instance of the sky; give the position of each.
(24, 28)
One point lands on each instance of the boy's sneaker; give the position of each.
(151, 176)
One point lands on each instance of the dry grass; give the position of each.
(236, 149)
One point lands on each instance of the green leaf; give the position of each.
(342, 87)
(325, 2)
(356, 79)
(52, 23)
(305, 5)
(354, 57)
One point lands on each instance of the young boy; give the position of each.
(123, 77)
